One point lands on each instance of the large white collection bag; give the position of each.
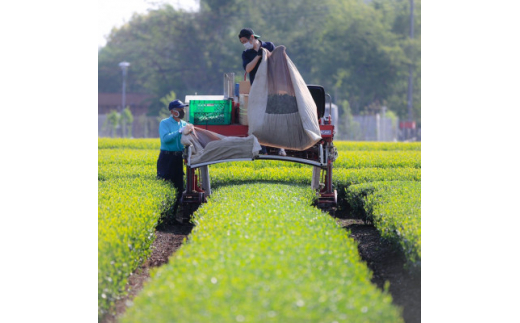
(210, 146)
(281, 112)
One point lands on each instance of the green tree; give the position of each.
(358, 51)
(126, 119)
(113, 122)
(165, 101)
(366, 58)
(396, 14)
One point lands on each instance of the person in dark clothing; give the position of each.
(252, 55)
(170, 163)
(251, 59)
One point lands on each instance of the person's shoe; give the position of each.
(282, 152)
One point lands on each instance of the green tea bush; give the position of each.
(124, 156)
(120, 143)
(351, 167)
(128, 211)
(130, 203)
(112, 171)
(261, 253)
(342, 177)
(395, 210)
(371, 145)
(154, 143)
(379, 159)
(348, 157)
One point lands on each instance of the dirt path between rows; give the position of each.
(169, 238)
(386, 263)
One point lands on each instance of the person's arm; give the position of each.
(249, 67)
(270, 47)
(166, 135)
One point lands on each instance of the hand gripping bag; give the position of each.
(281, 111)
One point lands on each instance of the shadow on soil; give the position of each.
(387, 264)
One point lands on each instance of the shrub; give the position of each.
(258, 253)
(395, 210)
(130, 203)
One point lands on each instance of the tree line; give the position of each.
(359, 51)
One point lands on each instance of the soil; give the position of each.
(387, 264)
(169, 237)
(385, 261)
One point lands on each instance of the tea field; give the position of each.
(259, 251)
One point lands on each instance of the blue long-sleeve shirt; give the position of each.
(169, 134)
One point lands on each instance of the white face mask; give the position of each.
(248, 45)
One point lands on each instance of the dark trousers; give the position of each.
(170, 167)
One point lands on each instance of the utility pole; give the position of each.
(410, 75)
(383, 128)
(124, 68)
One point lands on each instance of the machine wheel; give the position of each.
(187, 210)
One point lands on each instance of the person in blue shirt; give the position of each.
(252, 55)
(170, 163)
(251, 59)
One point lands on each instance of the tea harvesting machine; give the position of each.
(321, 156)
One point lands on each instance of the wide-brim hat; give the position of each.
(247, 32)
(176, 104)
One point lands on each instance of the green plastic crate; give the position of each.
(210, 112)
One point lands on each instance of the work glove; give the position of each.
(260, 51)
(187, 129)
(181, 129)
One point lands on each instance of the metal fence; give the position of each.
(358, 128)
(142, 127)
(376, 128)
(368, 128)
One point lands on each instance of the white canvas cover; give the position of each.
(210, 146)
(281, 111)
